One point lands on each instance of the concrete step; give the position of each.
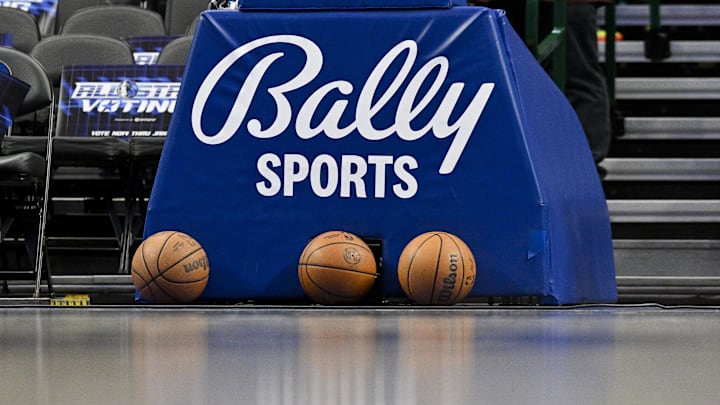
(670, 15)
(671, 262)
(664, 211)
(672, 128)
(662, 169)
(667, 88)
(681, 52)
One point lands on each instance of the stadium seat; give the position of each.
(175, 52)
(79, 49)
(66, 8)
(23, 174)
(193, 26)
(145, 151)
(94, 168)
(180, 14)
(23, 27)
(117, 21)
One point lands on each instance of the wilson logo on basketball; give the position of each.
(421, 109)
(448, 287)
(196, 264)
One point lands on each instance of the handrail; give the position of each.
(610, 53)
(610, 45)
(654, 14)
(552, 44)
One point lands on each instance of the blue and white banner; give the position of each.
(146, 49)
(118, 100)
(387, 124)
(6, 39)
(12, 94)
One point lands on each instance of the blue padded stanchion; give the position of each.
(387, 122)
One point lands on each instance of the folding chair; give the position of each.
(94, 169)
(22, 25)
(24, 176)
(180, 14)
(116, 21)
(176, 52)
(66, 8)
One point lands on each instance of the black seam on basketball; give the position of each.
(142, 255)
(169, 293)
(140, 276)
(165, 242)
(178, 261)
(147, 283)
(339, 268)
(171, 296)
(147, 287)
(338, 243)
(186, 282)
(331, 293)
(160, 274)
(153, 278)
(437, 269)
(152, 293)
(301, 268)
(412, 259)
(462, 279)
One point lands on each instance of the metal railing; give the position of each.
(656, 43)
(553, 44)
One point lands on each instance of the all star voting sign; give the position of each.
(386, 120)
(118, 100)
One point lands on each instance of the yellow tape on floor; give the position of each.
(72, 300)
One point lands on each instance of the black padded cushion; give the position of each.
(73, 151)
(22, 164)
(93, 151)
(146, 150)
(17, 144)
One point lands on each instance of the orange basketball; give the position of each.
(337, 268)
(436, 268)
(170, 267)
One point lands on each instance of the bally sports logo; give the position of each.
(349, 173)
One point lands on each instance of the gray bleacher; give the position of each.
(663, 174)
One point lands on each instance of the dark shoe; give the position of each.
(602, 172)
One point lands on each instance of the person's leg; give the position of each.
(585, 86)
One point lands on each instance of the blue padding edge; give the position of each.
(346, 4)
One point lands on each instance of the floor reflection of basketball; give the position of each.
(170, 267)
(436, 268)
(337, 268)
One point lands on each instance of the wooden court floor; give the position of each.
(377, 355)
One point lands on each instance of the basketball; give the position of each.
(337, 268)
(436, 268)
(170, 267)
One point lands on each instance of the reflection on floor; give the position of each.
(396, 355)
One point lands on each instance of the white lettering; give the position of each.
(249, 87)
(296, 170)
(370, 101)
(353, 170)
(272, 186)
(402, 165)
(380, 162)
(316, 171)
(165, 91)
(326, 174)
